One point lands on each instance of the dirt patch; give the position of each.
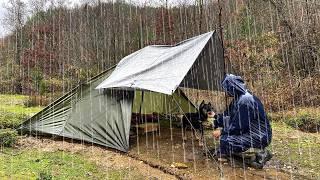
(169, 147)
(152, 155)
(107, 159)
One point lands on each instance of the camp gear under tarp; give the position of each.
(104, 116)
(162, 69)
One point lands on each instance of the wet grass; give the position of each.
(37, 164)
(13, 111)
(296, 140)
(297, 151)
(16, 104)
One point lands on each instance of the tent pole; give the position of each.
(139, 120)
(221, 36)
(222, 43)
(205, 145)
(140, 108)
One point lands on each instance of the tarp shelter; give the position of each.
(104, 116)
(194, 63)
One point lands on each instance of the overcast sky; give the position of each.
(3, 3)
(2, 13)
(71, 3)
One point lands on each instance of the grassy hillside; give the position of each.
(271, 43)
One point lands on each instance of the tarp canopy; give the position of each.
(102, 116)
(195, 63)
(154, 73)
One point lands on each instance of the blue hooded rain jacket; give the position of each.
(244, 123)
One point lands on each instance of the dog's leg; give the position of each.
(195, 134)
(184, 133)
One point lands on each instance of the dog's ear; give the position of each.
(209, 103)
(202, 103)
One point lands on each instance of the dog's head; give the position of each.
(206, 110)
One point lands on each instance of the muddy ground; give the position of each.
(167, 147)
(104, 158)
(152, 155)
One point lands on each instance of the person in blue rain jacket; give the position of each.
(244, 124)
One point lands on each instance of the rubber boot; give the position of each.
(261, 158)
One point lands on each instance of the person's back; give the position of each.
(254, 122)
(244, 124)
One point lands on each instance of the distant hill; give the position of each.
(267, 42)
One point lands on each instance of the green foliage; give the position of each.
(39, 84)
(10, 119)
(83, 75)
(268, 40)
(53, 85)
(44, 176)
(8, 137)
(32, 101)
(246, 23)
(39, 16)
(13, 111)
(11, 100)
(305, 119)
(43, 87)
(38, 101)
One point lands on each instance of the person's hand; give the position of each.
(216, 133)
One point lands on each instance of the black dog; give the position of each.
(195, 120)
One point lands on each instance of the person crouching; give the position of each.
(243, 125)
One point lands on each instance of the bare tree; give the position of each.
(15, 15)
(15, 18)
(37, 5)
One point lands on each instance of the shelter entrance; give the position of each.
(150, 107)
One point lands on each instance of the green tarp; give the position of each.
(161, 103)
(102, 116)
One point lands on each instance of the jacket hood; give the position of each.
(234, 85)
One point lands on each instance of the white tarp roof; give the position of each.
(157, 68)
